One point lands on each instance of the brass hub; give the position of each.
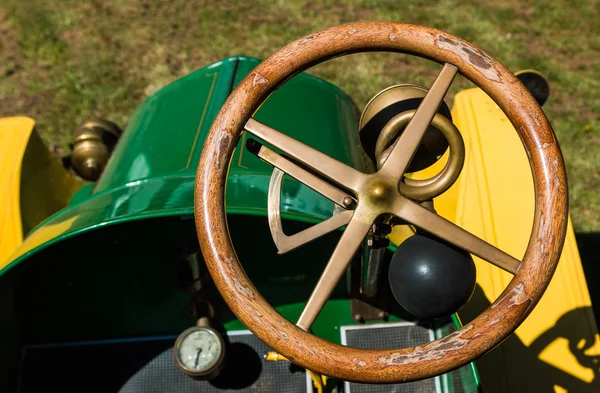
(378, 191)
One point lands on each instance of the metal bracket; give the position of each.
(285, 243)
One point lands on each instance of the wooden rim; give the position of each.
(483, 333)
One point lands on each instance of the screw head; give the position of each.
(348, 202)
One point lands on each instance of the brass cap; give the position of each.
(92, 146)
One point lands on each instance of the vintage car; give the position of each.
(117, 266)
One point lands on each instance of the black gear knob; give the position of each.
(430, 278)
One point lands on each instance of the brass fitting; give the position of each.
(93, 143)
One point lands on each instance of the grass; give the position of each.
(66, 61)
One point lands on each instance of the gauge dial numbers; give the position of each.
(199, 352)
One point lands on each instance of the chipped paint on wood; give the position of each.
(350, 32)
(228, 261)
(307, 39)
(479, 59)
(220, 153)
(557, 184)
(432, 351)
(259, 80)
(358, 363)
(542, 225)
(546, 145)
(244, 290)
(515, 297)
(495, 321)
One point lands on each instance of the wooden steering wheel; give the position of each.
(371, 195)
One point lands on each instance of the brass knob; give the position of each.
(93, 143)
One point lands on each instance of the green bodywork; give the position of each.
(95, 280)
(152, 171)
(148, 188)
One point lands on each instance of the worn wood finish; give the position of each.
(473, 340)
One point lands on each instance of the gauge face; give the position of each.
(198, 350)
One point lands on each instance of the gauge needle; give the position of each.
(198, 350)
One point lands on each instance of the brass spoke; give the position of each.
(286, 243)
(444, 229)
(334, 170)
(342, 255)
(304, 176)
(407, 144)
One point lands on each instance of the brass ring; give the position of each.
(422, 190)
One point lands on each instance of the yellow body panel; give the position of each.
(33, 185)
(494, 199)
(14, 134)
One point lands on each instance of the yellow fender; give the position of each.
(33, 184)
(556, 348)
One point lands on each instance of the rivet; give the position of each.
(348, 202)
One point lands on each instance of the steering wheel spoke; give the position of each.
(343, 253)
(406, 146)
(285, 243)
(452, 233)
(302, 175)
(332, 169)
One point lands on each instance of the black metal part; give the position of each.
(194, 279)
(537, 85)
(432, 146)
(253, 146)
(366, 277)
(374, 272)
(431, 278)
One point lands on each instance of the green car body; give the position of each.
(107, 266)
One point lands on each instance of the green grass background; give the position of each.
(63, 62)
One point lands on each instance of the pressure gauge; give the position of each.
(199, 352)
